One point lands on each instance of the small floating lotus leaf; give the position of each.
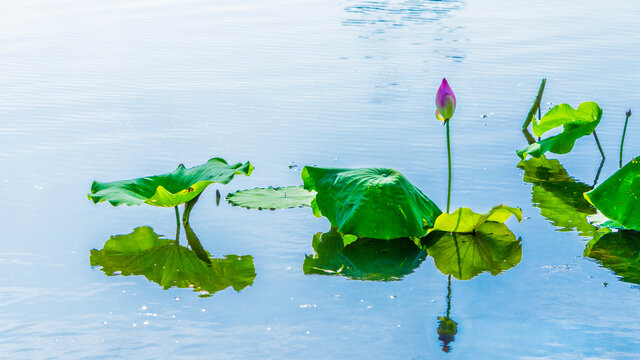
(618, 196)
(163, 261)
(559, 196)
(373, 203)
(575, 123)
(465, 221)
(618, 251)
(363, 259)
(492, 248)
(170, 189)
(272, 198)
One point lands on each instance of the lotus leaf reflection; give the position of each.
(165, 262)
(363, 259)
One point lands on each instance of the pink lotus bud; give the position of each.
(445, 101)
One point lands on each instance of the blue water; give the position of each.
(109, 90)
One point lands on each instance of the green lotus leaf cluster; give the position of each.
(491, 248)
(171, 189)
(465, 221)
(371, 203)
(575, 123)
(272, 198)
(618, 197)
(165, 262)
(363, 259)
(618, 251)
(558, 196)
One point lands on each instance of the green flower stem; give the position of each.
(598, 143)
(449, 158)
(624, 132)
(178, 223)
(536, 105)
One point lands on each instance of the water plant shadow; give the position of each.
(493, 248)
(363, 259)
(558, 196)
(169, 264)
(618, 251)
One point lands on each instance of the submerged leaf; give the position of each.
(465, 221)
(558, 196)
(575, 123)
(363, 259)
(492, 248)
(171, 189)
(618, 196)
(618, 251)
(373, 203)
(169, 264)
(272, 198)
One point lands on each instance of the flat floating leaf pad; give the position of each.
(364, 259)
(576, 123)
(171, 189)
(272, 198)
(618, 196)
(169, 264)
(372, 202)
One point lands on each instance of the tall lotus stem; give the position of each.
(178, 223)
(449, 158)
(446, 106)
(624, 132)
(598, 143)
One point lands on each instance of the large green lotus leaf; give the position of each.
(465, 221)
(575, 123)
(373, 203)
(617, 197)
(558, 195)
(272, 198)
(492, 248)
(364, 259)
(169, 264)
(618, 251)
(170, 189)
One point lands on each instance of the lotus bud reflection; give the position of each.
(447, 330)
(445, 102)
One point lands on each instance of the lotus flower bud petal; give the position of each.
(445, 100)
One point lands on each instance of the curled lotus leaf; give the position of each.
(465, 221)
(163, 261)
(576, 123)
(272, 198)
(363, 259)
(171, 189)
(372, 202)
(492, 248)
(618, 197)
